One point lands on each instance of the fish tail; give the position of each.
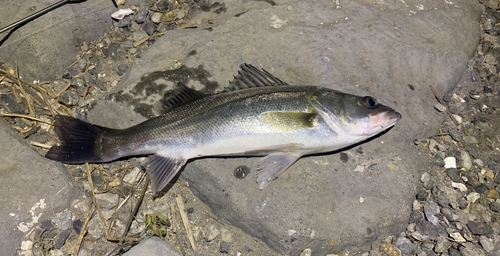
(78, 141)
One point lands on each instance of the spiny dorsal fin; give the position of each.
(179, 96)
(250, 76)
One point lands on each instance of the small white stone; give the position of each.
(440, 107)
(457, 237)
(156, 17)
(458, 118)
(291, 232)
(26, 245)
(416, 205)
(450, 162)
(486, 243)
(359, 168)
(132, 176)
(472, 197)
(425, 177)
(122, 13)
(460, 186)
(361, 199)
(458, 98)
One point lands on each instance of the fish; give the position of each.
(257, 115)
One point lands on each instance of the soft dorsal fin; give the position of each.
(250, 76)
(179, 96)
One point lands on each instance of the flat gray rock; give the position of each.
(33, 189)
(45, 47)
(392, 50)
(153, 246)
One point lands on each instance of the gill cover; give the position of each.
(353, 117)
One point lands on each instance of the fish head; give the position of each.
(353, 117)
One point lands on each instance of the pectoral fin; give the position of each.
(288, 120)
(162, 169)
(273, 165)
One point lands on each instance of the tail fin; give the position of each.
(78, 140)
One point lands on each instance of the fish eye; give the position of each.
(370, 102)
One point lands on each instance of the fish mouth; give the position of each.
(382, 121)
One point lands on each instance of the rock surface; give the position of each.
(384, 49)
(40, 48)
(153, 246)
(33, 189)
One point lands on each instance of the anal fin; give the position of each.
(273, 165)
(162, 170)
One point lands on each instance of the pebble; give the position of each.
(440, 107)
(69, 98)
(224, 247)
(460, 186)
(450, 162)
(122, 13)
(61, 238)
(467, 161)
(79, 84)
(453, 174)
(94, 227)
(63, 220)
(425, 177)
(179, 14)
(473, 76)
(138, 35)
(495, 206)
(132, 176)
(472, 197)
(454, 252)
(492, 194)
(416, 205)
(458, 118)
(471, 250)
(149, 28)
(469, 139)
(478, 163)
(156, 17)
(486, 243)
(431, 209)
(211, 233)
(405, 246)
(123, 23)
(123, 68)
(390, 250)
(442, 244)
(107, 200)
(457, 237)
(479, 228)
(141, 15)
(82, 64)
(415, 216)
(226, 236)
(113, 51)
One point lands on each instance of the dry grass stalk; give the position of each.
(27, 117)
(84, 227)
(173, 220)
(28, 99)
(40, 145)
(185, 220)
(188, 25)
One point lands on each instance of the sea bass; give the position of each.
(259, 115)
